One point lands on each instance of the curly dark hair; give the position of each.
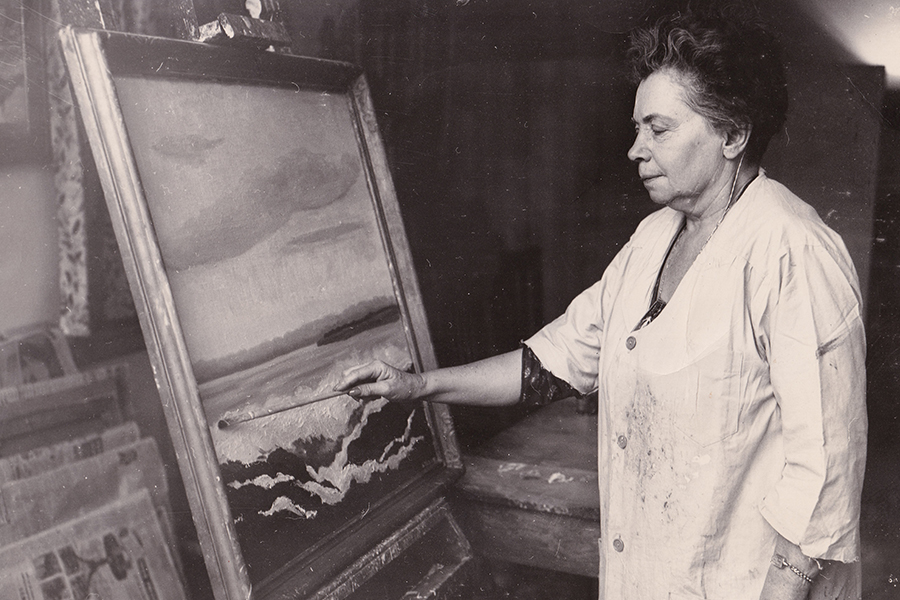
(729, 63)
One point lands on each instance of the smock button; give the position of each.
(622, 441)
(630, 343)
(618, 545)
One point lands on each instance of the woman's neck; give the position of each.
(704, 221)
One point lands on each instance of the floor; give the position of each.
(505, 581)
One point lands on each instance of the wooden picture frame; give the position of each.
(24, 116)
(252, 202)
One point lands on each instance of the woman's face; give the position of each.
(679, 155)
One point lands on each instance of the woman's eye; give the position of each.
(655, 131)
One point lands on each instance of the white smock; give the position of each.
(738, 412)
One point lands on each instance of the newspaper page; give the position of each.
(52, 411)
(45, 458)
(75, 386)
(30, 505)
(116, 553)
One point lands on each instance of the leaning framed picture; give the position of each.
(259, 228)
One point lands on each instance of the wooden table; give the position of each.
(529, 495)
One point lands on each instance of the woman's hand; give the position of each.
(784, 584)
(495, 381)
(378, 379)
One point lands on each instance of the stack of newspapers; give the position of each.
(84, 500)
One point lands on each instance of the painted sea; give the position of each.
(294, 478)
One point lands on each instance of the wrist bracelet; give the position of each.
(780, 562)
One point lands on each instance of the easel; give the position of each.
(410, 548)
(266, 30)
(228, 28)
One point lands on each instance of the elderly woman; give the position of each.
(725, 340)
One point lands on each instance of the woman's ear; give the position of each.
(736, 142)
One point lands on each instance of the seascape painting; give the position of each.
(272, 248)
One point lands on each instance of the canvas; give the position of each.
(265, 252)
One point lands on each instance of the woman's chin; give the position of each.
(659, 198)
(656, 192)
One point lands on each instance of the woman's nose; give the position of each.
(638, 150)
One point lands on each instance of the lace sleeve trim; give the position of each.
(540, 386)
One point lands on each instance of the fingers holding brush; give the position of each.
(379, 379)
(372, 380)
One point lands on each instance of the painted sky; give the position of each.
(260, 204)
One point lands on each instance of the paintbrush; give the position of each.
(225, 423)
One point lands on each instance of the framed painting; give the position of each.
(260, 232)
(24, 117)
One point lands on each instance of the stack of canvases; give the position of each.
(84, 504)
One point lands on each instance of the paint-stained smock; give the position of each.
(738, 412)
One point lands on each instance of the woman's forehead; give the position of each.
(662, 94)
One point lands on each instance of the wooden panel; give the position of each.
(561, 490)
(528, 537)
(555, 435)
(530, 494)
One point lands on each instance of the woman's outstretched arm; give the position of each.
(495, 381)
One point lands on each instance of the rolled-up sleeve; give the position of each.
(569, 346)
(815, 348)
